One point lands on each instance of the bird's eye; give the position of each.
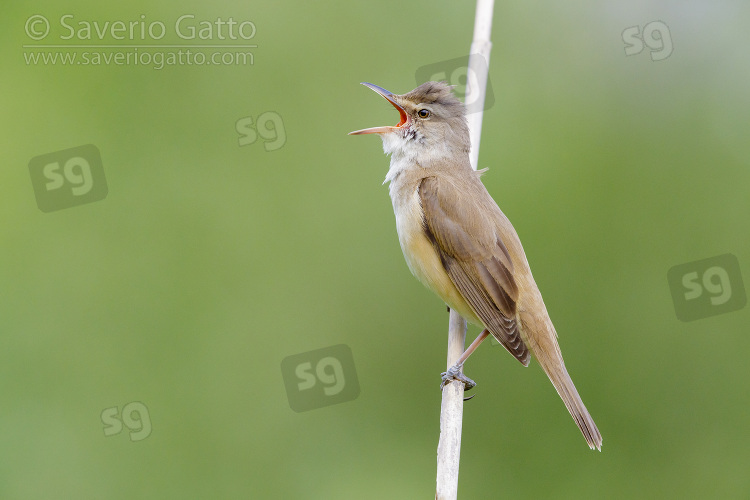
(423, 113)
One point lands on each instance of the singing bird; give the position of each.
(458, 242)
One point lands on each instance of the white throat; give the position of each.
(410, 149)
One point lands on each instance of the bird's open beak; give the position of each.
(382, 130)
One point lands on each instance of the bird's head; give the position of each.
(432, 122)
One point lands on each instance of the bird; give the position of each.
(458, 242)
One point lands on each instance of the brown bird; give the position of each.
(458, 242)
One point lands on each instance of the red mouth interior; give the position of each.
(400, 112)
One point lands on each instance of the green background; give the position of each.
(209, 262)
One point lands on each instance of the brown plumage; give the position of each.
(458, 242)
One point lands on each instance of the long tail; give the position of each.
(539, 334)
(559, 377)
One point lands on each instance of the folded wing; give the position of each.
(477, 262)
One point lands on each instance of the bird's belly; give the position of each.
(424, 262)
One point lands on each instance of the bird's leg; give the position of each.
(454, 372)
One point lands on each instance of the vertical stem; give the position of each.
(452, 405)
(451, 416)
(479, 66)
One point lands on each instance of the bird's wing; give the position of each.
(476, 260)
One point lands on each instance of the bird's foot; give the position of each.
(454, 373)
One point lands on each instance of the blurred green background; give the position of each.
(209, 262)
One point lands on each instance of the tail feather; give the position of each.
(540, 335)
(559, 377)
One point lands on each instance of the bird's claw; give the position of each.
(454, 373)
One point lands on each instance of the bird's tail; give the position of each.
(558, 375)
(539, 334)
